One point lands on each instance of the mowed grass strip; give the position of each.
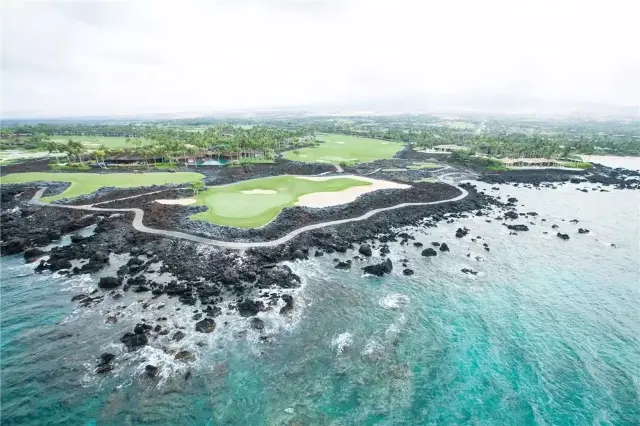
(421, 166)
(229, 206)
(87, 183)
(350, 149)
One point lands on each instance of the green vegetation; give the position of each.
(337, 149)
(256, 202)
(469, 159)
(94, 142)
(87, 183)
(196, 186)
(75, 167)
(577, 164)
(421, 166)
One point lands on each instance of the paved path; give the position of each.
(139, 226)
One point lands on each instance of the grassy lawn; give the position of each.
(229, 206)
(93, 142)
(349, 149)
(420, 166)
(86, 183)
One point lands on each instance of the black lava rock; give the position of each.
(429, 252)
(365, 250)
(518, 227)
(563, 236)
(207, 325)
(380, 269)
(343, 265)
(444, 247)
(109, 282)
(134, 341)
(407, 271)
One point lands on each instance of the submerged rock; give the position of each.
(257, 323)
(207, 325)
(178, 335)
(288, 307)
(134, 341)
(407, 271)
(343, 265)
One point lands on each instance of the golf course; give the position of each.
(254, 203)
(338, 149)
(87, 183)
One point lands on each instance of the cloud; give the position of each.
(85, 58)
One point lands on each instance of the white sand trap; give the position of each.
(181, 201)
(340, 142)
(327, 199)
(259, 191)
(385, 143)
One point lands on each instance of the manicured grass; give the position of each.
(420, 166)
(229, 206)
(577, 165)
(349, 149)
(93, 142)
(86, 183)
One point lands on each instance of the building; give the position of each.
(448, 148)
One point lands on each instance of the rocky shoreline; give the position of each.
(249, 282)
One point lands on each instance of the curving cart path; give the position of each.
(139, 226)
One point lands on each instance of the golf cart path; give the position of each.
(139, 226)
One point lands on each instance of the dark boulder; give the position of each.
(429, 252)
(151, 370)
(417, 244)
(407, 271)
(554, 226)
(32, 254)
(288, 307)
(106, 358)
(13, 246)
(365, 250)
(512, 200)
(109, 282)
(518, 227)
(461, 232)
(583, 231)
(511, 215)
(178, 335)
(469, 271)
(184, 356)
(435, 244)
(207, 325)
(134, 341)
(562, 236)
(444, 247)
(318, 253)
(249, 308)
(299, 254)
(380, 269)
(343, 265)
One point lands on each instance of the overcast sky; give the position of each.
(120, 57)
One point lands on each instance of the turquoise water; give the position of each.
(546, 333)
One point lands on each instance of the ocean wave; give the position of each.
(394, 301)
(341, 342)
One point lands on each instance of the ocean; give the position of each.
(547, 332)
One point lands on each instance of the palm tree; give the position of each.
(53, 147)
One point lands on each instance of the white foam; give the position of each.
(394, 301)
(341, 342)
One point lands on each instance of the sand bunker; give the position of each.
(340, 142)
(327, 199)
(259, 191)
(181, 201)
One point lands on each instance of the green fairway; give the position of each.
(348, 149)
(420, 166)
(93, 142)
(86, 183)
(230, 206)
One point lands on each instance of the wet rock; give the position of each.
(518, 227)
(380, 269)
(574, 221)
(385, 250)
(562, 236)
(583, 231)
(134, 341)
(512, 200)
(207, 325)
(230, 276)
(103, 368)
(77, 238)
(511, 215)
(257, 324)
(32, 254)
(299, 254)
(444, 247)
(178, 335)
(469, 271)
(109, 282)
(429, 252)
(197, 316)
(417, 244)
(365, 250)
(111, 320)
(554, 226)
(461, 232)
(249, 308)
(279, 276)
(106, 358)
(435, 244)
(343, 265)
(288, 307)
(184, 356)
(151, 370)
(318, 253)
(407, 271)
(157, 328)
(13, 246)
